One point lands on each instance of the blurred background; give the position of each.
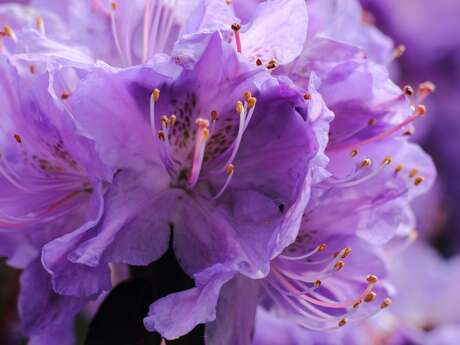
(428, 32)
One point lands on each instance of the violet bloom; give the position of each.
(52, 184)
(229, 175)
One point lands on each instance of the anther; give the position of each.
(365, 163)
(8, 30)
(408, 90)
(399, 168)
(346, 252)
(412, 172)
(236, 31)
(272, 64)
(164, 121)
(386, 160)
(372, 279)
(343, 322)
(161, 135)
(252, 102)
(399, 51)
(40, 24)
(370, 297)
(172, 120)
(322, 247)
(229, 169)
(385, 303)
(357, 304)
(247, 96)
(18, 138)
(371, 122)
(114, 5)
(420, 110)
(354, 152)
(339, 265)
(155, 95)
(418, 180)
(228, 2)
(306, 96)
(317, 283)
(32, 69)
(214, 115)
(239, 107)
(65, 96)
(259, 62)
(426, 88)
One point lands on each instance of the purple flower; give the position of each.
(52, 184)
(229, 175)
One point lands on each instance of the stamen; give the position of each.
(40, 24)
(365, 163)
(399, 51)
(229, 170)
(202, 137)
(116, 40)
(371, 296)
(153, 99)
(259, 62)
(306, 96)
(236, 31)
(385, 303)
(343, 322)
(320, 248)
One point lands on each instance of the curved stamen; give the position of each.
(147, 28)
(230, 170)
(116, 39)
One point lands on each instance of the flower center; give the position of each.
(202, 150)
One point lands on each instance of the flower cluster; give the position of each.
(262, 140)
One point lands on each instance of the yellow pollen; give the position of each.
(39, 22)
(247, 96)
(354, 152)
(172, 119)
(412, 172)
(372, 279)
(236, 27)
(155, 95)
(418, 180)
(239, 107)
(339, 265)
(408, 90)
(322, 247)
(161, 135)
(370, 297)
(306, 96)
(8, 30)
(385, 303)
(252, 102)
(399, 168)
(214, 115)
(420, 110)
(206, 133)
(317, 283)
(229, 169)
(365, 163)
(259, 62)
(18, 138)
(114, 5)
(386, 160)
(164, 121)
(357, 304)
(399, 51)
(346, 252)
(372, 122)
(343, 322)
